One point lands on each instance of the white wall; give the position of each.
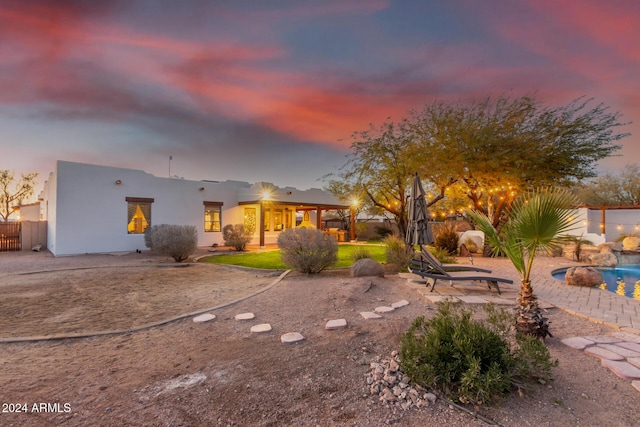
(88, 210)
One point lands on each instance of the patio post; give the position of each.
(261, 224)
(352, 224)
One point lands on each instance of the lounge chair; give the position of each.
(430, 261)
(435, 273)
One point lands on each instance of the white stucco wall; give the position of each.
(86, 206)
(88, 210)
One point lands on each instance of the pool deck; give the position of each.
(594, 304)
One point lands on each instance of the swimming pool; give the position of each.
(623, 280)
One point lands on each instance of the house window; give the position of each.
(212, 216)
(138, 214)
(250, 218)
(277, 220)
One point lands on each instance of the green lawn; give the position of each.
(271, 259)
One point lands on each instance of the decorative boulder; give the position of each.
(476, 236)
(367, 267)
(583, 276)
(604, 259)
(630, 243)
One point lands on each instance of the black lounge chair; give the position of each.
(429, 261)
(435, 273)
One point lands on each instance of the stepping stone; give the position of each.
(336, 324)
(291, 337)
(603, 339)
(263, 327)
(633, 346)
(437, 299)
(470, 299)
(635, 361)
(204, 318)
(370, 315)
(578, 343)
(383, 309)
(500, 301)
(545, 305)
(616, 348)
(400, 303)
(245, 316)
(622, 369)
(636, 384)
(626, 336)
(603, 353)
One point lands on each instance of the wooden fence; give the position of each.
(16, 236)
(10, 236)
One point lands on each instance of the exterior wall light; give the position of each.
(118, 182)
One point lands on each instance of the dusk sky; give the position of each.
(272, 90)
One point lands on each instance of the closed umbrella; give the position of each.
(418, 227)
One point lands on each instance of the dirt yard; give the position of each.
(218, 373)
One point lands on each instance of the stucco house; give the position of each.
(101, 209)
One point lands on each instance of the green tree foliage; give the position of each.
(481, 153)
(12, 192)
(612, 190)
(537, 222)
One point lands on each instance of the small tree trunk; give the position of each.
(530, 320)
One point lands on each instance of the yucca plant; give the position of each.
(536, 222)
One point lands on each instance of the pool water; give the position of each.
(623, 280)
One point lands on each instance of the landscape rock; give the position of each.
(604, 259)
(367, 267)
(583, 276)
(392, 387)
(630, 243)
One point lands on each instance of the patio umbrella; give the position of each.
(418, 228)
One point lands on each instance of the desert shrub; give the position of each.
(470, 361)
(457, 355)
(361, 229)
(397, 253)
(176, 241)
(446, 237)
(307, 250)
(471, 246)
(360, 252)
(237, 236)
(383, 232)
(442, 255)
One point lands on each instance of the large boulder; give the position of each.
(604, 259)
(630, 243)
(476, 236)
(583, 276)
(367, 267)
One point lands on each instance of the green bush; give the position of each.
(442, 255)
(446, 237)
(360, 252)
(471, 362)
(237, 236)
(176, 241)
(457, 355)
(396, 252)
(383, 232)
(307, 249)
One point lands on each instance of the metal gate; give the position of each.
(10, 236)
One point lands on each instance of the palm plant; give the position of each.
(536, 222)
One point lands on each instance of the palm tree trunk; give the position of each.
(530, 320)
